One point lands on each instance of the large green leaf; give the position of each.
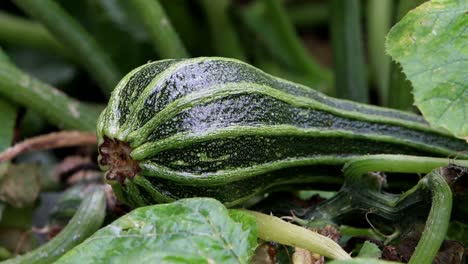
(431, 44)
(198, 230)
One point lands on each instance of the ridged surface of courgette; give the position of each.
(221, 128)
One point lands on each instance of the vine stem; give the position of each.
(222, 31)
(357, 167)
(298, 53)
(87, 219)
(308, 14)
(348, 57)
(379, 21)
(53, 140)
(157, 23)
(16, 30)
(271, 228)
(58, 108)
(438, 220)
(67, 30)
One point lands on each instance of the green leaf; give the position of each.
(370, 250)
(430, 44)
(198, 230)
(20, 185)
(458, 231)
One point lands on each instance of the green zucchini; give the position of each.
(221, 128)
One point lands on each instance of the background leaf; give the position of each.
(198, 230)
(430, 43)
(20, 185)
(370, 250)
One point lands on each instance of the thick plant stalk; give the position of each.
(69, 32)
(379, 19)
(165, 39)
(54, 105)
(87, 219)
(222, 31)
(438, 220)
(394, 163)
(296, 50)
(272, 228)
(16, 30)
(362, 192)
(348, 58)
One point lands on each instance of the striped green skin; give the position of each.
(221, 128)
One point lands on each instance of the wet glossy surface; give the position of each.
(204, 121)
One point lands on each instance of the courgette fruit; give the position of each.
(221, 128)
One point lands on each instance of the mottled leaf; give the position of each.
(198, 230)
(431, 44)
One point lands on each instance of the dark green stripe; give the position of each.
(260, 110)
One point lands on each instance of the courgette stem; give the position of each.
(18, 31)
(438, 220)
(165, 39)
(348, 58)
(88, 218)
(356, 168)
(69, 32)
(379, 19)
(58, 108)
(297, 52)
(352, 197)
(271, 228)
(361, 192)
(225, 39)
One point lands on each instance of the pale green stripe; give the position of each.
(155, 194)
(139, 136)
(226, 176)
(111, 128)
(139, 104)
(121, 133)
(186, 139)
(301, 179)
